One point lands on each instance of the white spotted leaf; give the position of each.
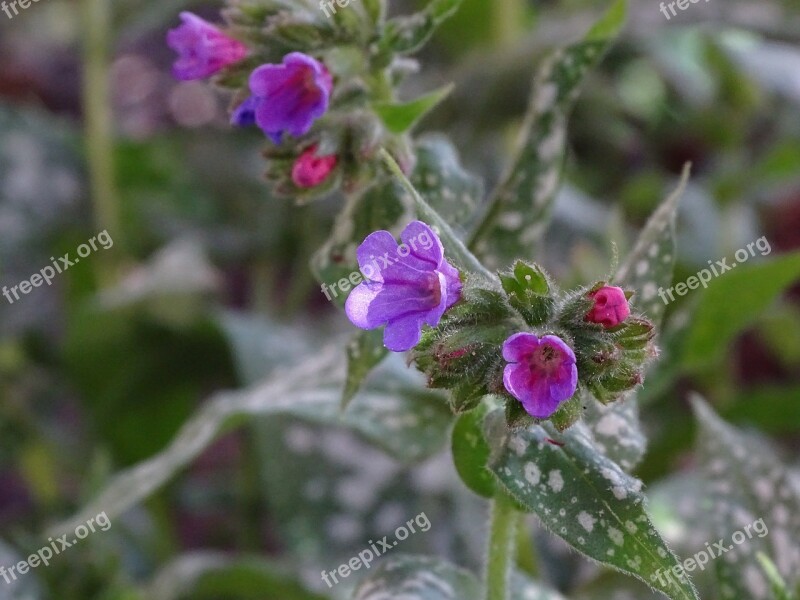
(747, 486)
(616, 429)
(650, 266)
(428, 578)
(520, 206)
(584, 498)
(439, 177)
(420, 578)
(394, 413)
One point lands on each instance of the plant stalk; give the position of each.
(98, 117)
(502, 548)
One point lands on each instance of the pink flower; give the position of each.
(610, 307)
(541, 372)
(202, 48)
(310, 170)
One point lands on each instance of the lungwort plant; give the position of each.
(534, 383)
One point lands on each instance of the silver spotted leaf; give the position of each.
(755, 507)
(520, 206)
(584, 498)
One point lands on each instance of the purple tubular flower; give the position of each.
(541, 372)
(203, 49)
(406, 286)
(289, 97)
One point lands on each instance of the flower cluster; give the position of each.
(322, 90)
(284, 99)
(524, 343)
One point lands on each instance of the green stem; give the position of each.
(508, 21)
(527, 560)
(502, 548)
(98, 115)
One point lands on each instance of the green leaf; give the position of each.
(454, 247)
(732, 303)
(471, 452)
(400, 118)
(617, 430)
(776, 582)
(439, 177)
(211, 575)
(420, 578)
(584, 498)
(650, 266)
(365, 351)
(396, 415)
(520, 206)
(406, 35)
(751, 492)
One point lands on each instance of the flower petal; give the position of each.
(403, 334)
(519, 346)
(376, 249)
(358, 303)
(423, 243)
(563, 387)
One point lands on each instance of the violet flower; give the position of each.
(202, 48)
(610, 307)
(289, 97)
(541, 372)
(406, 286)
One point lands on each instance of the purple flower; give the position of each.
(203, 49)
(289, 97)
(406, 286)
(541, 372)
(245, 114)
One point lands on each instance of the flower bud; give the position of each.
(529, 292)
(310, 170)
(610, 306)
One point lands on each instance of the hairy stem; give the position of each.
(502, 548)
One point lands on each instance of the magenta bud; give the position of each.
(610, 307)
(310, 170)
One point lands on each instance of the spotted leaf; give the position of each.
(584, 498)
(755, 507)
(520, 206)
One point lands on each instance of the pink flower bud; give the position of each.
(610, 307)
(310, 170)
